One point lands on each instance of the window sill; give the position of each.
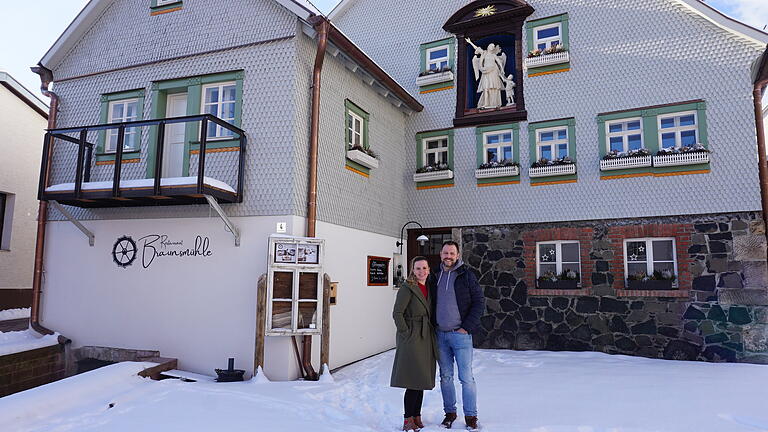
(626, 163)
(696, 158)
(436, 78)
(547, 60)
(127, 155)
(434, 175)
(510, 171)
(168, 7)
(559, 292)
(551, 171)
(653, 293)
(363, 159)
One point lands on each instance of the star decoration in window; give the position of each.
(641, 248)
(633, 257)
(551, 251)
(545, 257)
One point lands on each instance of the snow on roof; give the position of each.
(22, 93)
(12, 314)
(26, 340)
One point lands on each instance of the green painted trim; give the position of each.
(104, 116)
(155, 8)
(435, 183)
(627, 171)
(357, 166)
(681, 168)
(111, 156)
(479, 142)
(193, 86)
(533, 127)
(352, 107)
(420, 137)
(498, 179)
(549, 68)
(451, 42)
(531, 25)
(539, 180)
(701, 112)
(441, 85)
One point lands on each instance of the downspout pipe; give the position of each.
(762, 163)
(321, 25)
(46, 78)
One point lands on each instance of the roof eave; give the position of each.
(22, 93)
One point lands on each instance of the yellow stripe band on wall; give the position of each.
(548, 72)
(356, 171)
(111, 162)
(620, 176)
(437, 89)
(434, 186)
(706, 171)
(498, 183)
(160, 12)
(553, 182)
(216, 150)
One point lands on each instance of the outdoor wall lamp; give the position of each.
(422, 239)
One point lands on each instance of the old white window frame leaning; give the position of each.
(624, 134)
(546, 41)
(554, 143)
(558, 255)
(678, 129)
(220, 132)
(427, 151)
(110, 146)
(649, 254)
(499, 147)
(439, 60)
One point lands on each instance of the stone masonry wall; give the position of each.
(719, 311)
(28, 369)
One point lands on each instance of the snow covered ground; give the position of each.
(18, 341)
(518, 392)
(11, 314)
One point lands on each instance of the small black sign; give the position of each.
(378, 271)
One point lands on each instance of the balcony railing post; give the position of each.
(88, 161)
(241, 167)
(159, 156)
(47, 144)
(80, 157)
(201, 156)
(118, 161)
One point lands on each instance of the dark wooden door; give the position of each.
(430, 249)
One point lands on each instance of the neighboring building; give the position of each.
(165, 274)
(22, 126)
(633, 77)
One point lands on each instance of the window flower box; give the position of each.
(547, 59)
(363, 158)
(552, 170)
(434, 78)
(649, 285)
(558, 284)
(446, 174)
(505, 171)
(619, 163)
(672, 158)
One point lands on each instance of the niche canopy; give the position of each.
(489, 61)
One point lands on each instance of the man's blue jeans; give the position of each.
(454, 345)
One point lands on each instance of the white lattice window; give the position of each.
(547, 36)
(120, 111)
(552, 143)
(678, 129)
(649, 255)
(435, 150)
(624, 135)
(219, 100)
(556, 257)
(497, 146)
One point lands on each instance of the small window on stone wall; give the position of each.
(558, 265)
(650, 263)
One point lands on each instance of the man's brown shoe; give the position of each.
(409, 424)
(471, 422)
(448, 420)
(419, 424)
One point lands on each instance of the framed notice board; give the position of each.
(378, 271)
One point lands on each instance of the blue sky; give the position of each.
(28, 28)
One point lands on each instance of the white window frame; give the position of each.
(678, 129)
(546, 41)
(426, 151)
(649, 254)
(353, 132)
(6, 219)
(624, 134)
(220, 131)
(438, 61)
(111, 147)
(559, 254)
(498, 146)
(165, 2)
(554, 143)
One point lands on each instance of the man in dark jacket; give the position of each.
(458, 303)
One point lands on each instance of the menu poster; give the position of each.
(308, 254)
(378, 271)
(285, 253)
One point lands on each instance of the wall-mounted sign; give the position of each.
(378, 271)
(152, 247)
(281, 228)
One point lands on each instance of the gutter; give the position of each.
(761, 81)
(46, 78)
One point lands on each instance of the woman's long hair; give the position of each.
(411, 276)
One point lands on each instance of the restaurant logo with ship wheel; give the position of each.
(124, 251)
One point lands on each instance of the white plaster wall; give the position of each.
(202, 310)
(21, 144)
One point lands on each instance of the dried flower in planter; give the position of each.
(566, 275)
(696, 148)
(432, 167)
(436, 71)
(664, 275)
(365, 150)
(504, 163)
(551, 50)
(613, 154)
(544, 162)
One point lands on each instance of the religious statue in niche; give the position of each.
(489, 65)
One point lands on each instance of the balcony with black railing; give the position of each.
(170, 161)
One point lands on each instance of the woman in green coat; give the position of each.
(416, 354)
